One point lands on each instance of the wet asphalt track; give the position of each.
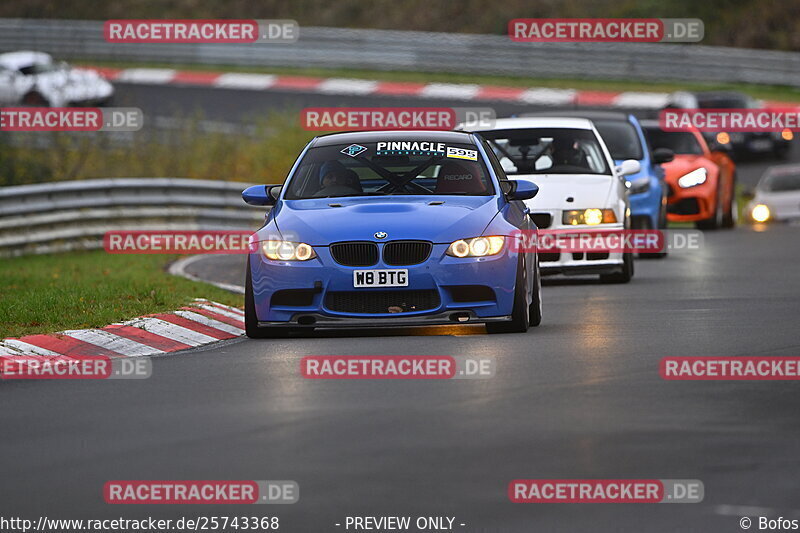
(578, 397)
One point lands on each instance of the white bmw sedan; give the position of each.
(579, 187)
(33, 78)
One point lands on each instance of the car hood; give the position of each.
(683, 164)
(586, 190)
(315, 222)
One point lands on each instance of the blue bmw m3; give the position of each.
(392, 229)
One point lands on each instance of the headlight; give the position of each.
(287, 251)
(591, 217)
(760, 213)
(477, 247)
(639, 185)
(692, 179)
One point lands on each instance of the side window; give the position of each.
(496, 166)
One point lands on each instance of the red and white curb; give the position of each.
(362, 87)
(203, 322)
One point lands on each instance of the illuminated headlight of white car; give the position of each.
(477, 247)
(287, 251)
(760, 213)
(692, 179)
(590, 217)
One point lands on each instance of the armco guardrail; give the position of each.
(69, 215)
(424, 51)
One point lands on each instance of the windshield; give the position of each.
(390, 167)
(680, 142)
(782, 182)
(621, 139)
(548, 151)
(39, 68)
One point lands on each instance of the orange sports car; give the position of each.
(701, 183)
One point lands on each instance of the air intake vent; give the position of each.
(399, 253)
(377, 302)
(356, 254)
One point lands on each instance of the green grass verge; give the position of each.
(768, 92)
(49, 293)
(265, 156)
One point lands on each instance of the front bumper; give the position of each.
(691, 204)
(581, 263)
(330, 300)
(448, 318)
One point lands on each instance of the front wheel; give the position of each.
(521, 316)
(36, 99)
(623, 276)
(535, 309)
(662, 225)
(717, 219)
(729, 219)
(251, 328)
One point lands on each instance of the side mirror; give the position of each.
(662, 155)
(261, 194)
(522, 190)
(748, 194)
(628, 167)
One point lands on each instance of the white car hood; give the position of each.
(586, 190)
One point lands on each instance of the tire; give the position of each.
(716, 220)
(662, 225)
(621, 277)
(535, 309)
(729, 218)
(251, 319)
(520, 314)
(35, 98)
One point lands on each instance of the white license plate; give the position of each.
(380, 278)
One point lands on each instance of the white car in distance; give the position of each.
(579, 187)
(34, 79)
(777, 195)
